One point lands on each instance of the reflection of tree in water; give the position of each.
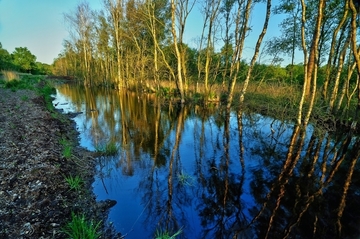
(166, 197)
(221, 208)
(311, 193)
(309, 201)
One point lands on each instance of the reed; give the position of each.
(10, 75)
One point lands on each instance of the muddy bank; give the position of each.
(35, 199)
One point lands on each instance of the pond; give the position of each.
(206, 173)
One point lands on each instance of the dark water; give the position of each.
(215, 175)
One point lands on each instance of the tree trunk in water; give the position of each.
(257, 49)
(241, 29)
(313, 50)
(177, 51)
(354, 48)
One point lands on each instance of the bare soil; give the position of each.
(35, 199)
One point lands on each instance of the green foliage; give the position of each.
(166, 235)
(80, 228)
(108, 149)
(75, 183)
(5, 59)
(41, 69)
(23, 59)
(46, 91)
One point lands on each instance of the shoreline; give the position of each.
(36, 201)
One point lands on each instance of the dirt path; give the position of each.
(35, 199)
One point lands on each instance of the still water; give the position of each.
(210, 174)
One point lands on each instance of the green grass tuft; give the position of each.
(80, 228)
(185, 179)
(67, 149)
(166, 235)
(109, 149)
(75, 183)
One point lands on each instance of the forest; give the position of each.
(23, 61)
(140, 44)
(306, 183)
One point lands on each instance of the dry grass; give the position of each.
(10, 75)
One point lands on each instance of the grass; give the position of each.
(80, 228)
(75, 183)
(67, 149)
(166, 235)
(109, 149)
(185, 179)
(24, 98)
(10, 75)
(14, 81)
(46, 91)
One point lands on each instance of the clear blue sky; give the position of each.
(39, 25)
(36, 24)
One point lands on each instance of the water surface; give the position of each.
(215, 175)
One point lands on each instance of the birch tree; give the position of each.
(211, 12)
(257, 49)
(243, 9)
(177, 50)
(115, 11)
(81, 22)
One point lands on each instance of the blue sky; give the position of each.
(36, 24)
(39, 25)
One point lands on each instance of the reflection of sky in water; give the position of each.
(129, 214)
(141, 188)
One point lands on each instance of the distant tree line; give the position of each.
(141, 43)
(22, 60)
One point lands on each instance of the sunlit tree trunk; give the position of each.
(312, 61)
(82, 22)
(241, 29)
(332, 49)
(347, 91)
(339, 67)
(354, 50)
(211, 13)
(256, 52)
(227, 49)
(177, 51)
(152, 22)
(115, 9)
(183, 9)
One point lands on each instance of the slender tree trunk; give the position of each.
(312, 63)
(177, 51)
(354, 48)
(339, 67)
(257, 49)
(241, 28)
(115, 10)
(331, 53)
